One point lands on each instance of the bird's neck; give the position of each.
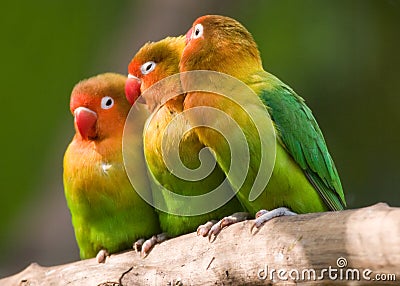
(107, 150)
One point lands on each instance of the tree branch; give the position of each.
(364, 242)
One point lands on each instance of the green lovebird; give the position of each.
(152, 63)
(304, 177)
(107, 214)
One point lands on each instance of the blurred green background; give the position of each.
(341, 56)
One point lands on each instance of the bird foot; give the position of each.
(204, 229)
(263, 216)
(229, 220)
(137, 246)
(144, 246)
(102, 255)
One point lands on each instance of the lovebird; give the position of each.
(304, 178)
(108, 215)
(154, 62)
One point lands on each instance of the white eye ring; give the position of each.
(197, 31)
(107, 102)
(148, 67)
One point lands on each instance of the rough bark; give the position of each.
(364, 241)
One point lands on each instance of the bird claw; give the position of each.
(226, 221)
(262, 216)
(101, 256)
(204, 229)
(260, 213)
(137, 246)
(147, 245)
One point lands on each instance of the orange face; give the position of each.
(197, 42)
(143, 69)
(221, 44)
(196, 31)
(153, 62)
(142, 75)
(99, 107)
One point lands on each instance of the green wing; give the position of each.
(300, 134)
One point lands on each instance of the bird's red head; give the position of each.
(99, 106)
(195, 35)
(219, 43)
(152, 63)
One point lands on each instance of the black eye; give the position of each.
(107, 102)
(147, 67)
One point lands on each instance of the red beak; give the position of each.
(132, 88)
(85, 120)
(189, 35)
